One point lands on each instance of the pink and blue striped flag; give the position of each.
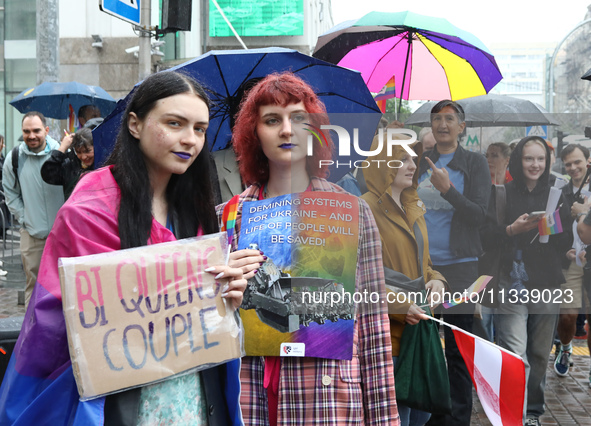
(550, 224)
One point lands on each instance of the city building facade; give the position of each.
(99, 49)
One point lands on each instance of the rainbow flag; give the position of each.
(476, 287)
(550, 224)
(387, 92)
(229, 217)
(71, 120)
(382, 105)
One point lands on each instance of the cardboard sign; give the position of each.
(141, 315)
(302, 300)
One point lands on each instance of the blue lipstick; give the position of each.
(183, 155)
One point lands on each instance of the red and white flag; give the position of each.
(498, 376)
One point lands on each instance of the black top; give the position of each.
(63, 169)
(542, 261)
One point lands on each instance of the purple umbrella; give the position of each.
(430, 58)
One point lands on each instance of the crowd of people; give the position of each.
(424, 224)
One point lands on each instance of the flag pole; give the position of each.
(453, 327)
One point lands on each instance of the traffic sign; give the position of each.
(541, 131)
(128, 10)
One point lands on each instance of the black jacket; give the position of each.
(542, 261)
(470, 206)
(63, 169)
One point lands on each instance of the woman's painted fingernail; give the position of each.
(265, 257)
(261, 252)
(211, 268)
(220, 275)
(256, 271)
(225, 288)
(261, 263)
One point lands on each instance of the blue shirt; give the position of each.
(440, 212)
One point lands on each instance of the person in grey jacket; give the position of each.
(33, 202)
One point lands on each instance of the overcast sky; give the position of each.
(501, 21)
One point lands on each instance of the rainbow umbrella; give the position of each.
(430, 58)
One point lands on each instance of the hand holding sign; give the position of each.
(234, 290)
(248, 260)
(140, 315)
(439, 177)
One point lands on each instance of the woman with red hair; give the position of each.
(271, 145)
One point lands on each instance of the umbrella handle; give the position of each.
(409, 40)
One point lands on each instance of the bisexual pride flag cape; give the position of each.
(39, 386)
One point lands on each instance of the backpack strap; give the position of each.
(15, 163)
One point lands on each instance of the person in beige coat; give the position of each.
(396, 206)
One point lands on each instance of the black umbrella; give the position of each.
(492, 111)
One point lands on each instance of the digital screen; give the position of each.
(255, 18)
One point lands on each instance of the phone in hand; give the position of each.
(536, 215)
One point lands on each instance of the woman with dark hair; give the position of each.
(270, 141)
(455, 186)
(156, 189)
(526, 325)
(65, 166)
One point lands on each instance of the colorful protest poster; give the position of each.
(302, 301)
(142, 315)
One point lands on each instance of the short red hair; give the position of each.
(276, 89)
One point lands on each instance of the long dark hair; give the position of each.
(189, 196)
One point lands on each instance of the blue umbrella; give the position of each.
(53, 99)
(226, 74)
